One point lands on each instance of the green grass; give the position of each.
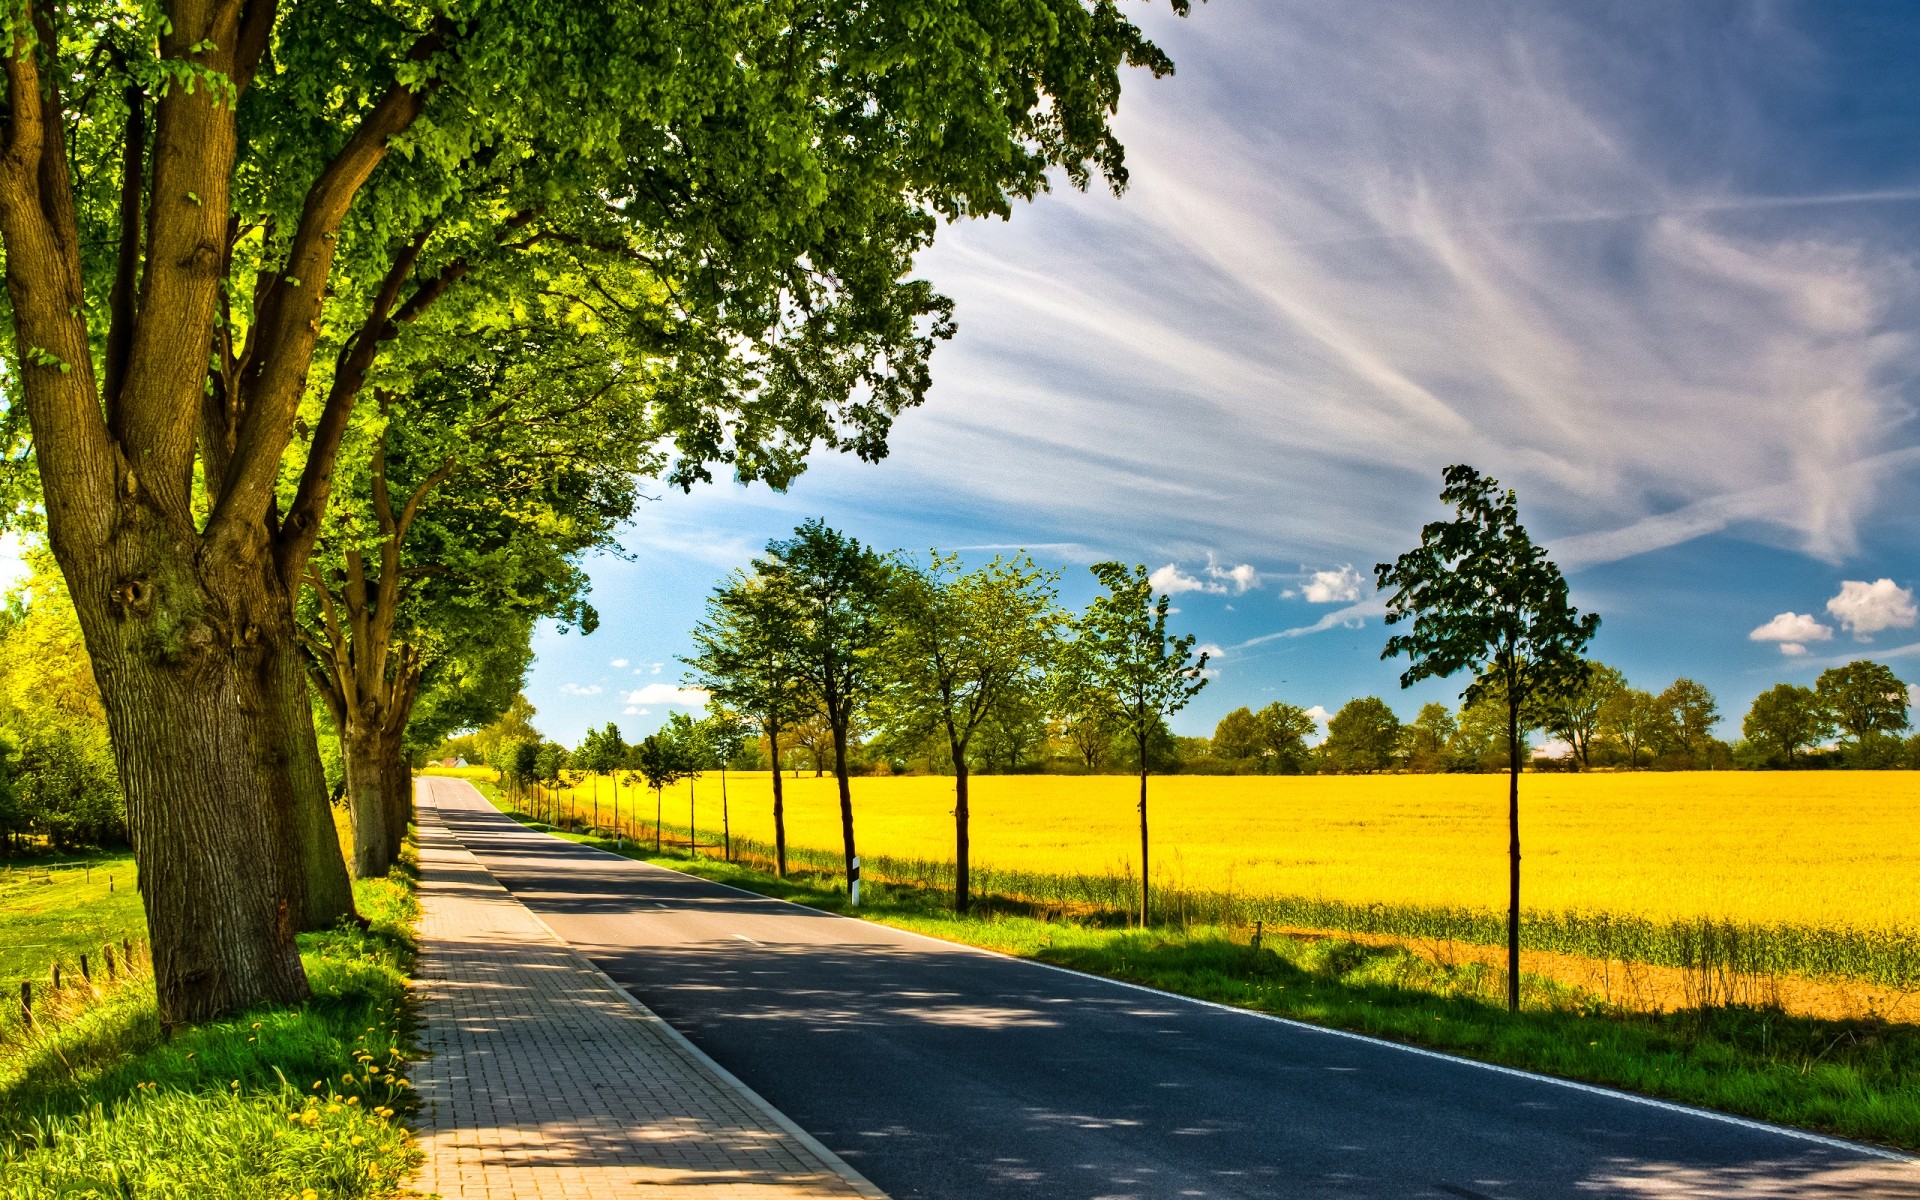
(58, 907)
(1859, 1079)
(265, 1105)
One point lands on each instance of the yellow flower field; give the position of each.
(1815, 848)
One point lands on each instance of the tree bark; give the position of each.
(1144, 864)
(367, 797)
(294, 749)
(846, 797)
(726, 824)
(183, 675)
(397, 775)
(1513, 851)
(962, 882)
(779, 804)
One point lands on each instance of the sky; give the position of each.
(1653, 266)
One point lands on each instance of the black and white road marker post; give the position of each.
(853, 883)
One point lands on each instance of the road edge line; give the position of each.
(1787, 1131)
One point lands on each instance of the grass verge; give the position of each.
(1858, 1079)
(279, 1102)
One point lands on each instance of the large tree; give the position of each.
(181, 226)
(1690, 712)
(1786, 719)
(1361, 737)
(1484, 598)
(833, 587)
(1866, 699)
(959, 647)
(1122, 654)
(1574, 713)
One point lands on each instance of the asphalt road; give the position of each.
(940, 1071)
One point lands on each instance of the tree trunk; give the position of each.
(1145, 895)
(726, 825)
(184, 677)
(693, 824)
(396, 776)
(1513, 852)
(779, 807)
(962, 897)
(846, 797)
(324, 885)
(367, 798)
(657, 802)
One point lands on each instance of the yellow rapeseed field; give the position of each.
(1816, 848)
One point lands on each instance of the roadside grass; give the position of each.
(57, 907)
(1856, 1078)
(277, 1102)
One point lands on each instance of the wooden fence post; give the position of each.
(26, 1002)
(106, 956)
(56, 977)
(86, 972)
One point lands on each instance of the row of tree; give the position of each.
(922, 652)
(341, 331)
(1603, 721)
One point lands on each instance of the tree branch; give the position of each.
(290, 323)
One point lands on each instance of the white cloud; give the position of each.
(633, 710)
(667, 693)
(1241, 578)
(1213, 652)
(1864, 609)
(1339, 586)
(1172, 580)
(1793, 631)
(1320, 717)
(577, 689)
(1219, 580)
(619, 662)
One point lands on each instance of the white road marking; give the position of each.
(749, 941)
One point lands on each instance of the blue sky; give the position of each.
(1652, 265)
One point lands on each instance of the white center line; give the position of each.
(749, 941)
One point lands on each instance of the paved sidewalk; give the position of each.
(547, 1080)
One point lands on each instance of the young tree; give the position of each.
(1866, 700)
(1483, 598)
(1632, 720)
(662, 761)
(1122, 654)
(1690, 711)
(1361, 737)
(1574, 714)
(725, 733)
(1786, 719)
(601, 752)
(833, 588)
(747, 657)
(958, 647)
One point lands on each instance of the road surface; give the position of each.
(939, 1071)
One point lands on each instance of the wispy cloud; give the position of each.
(1351, 617)
(1482, 262)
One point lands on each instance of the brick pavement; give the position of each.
(546, 1079)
